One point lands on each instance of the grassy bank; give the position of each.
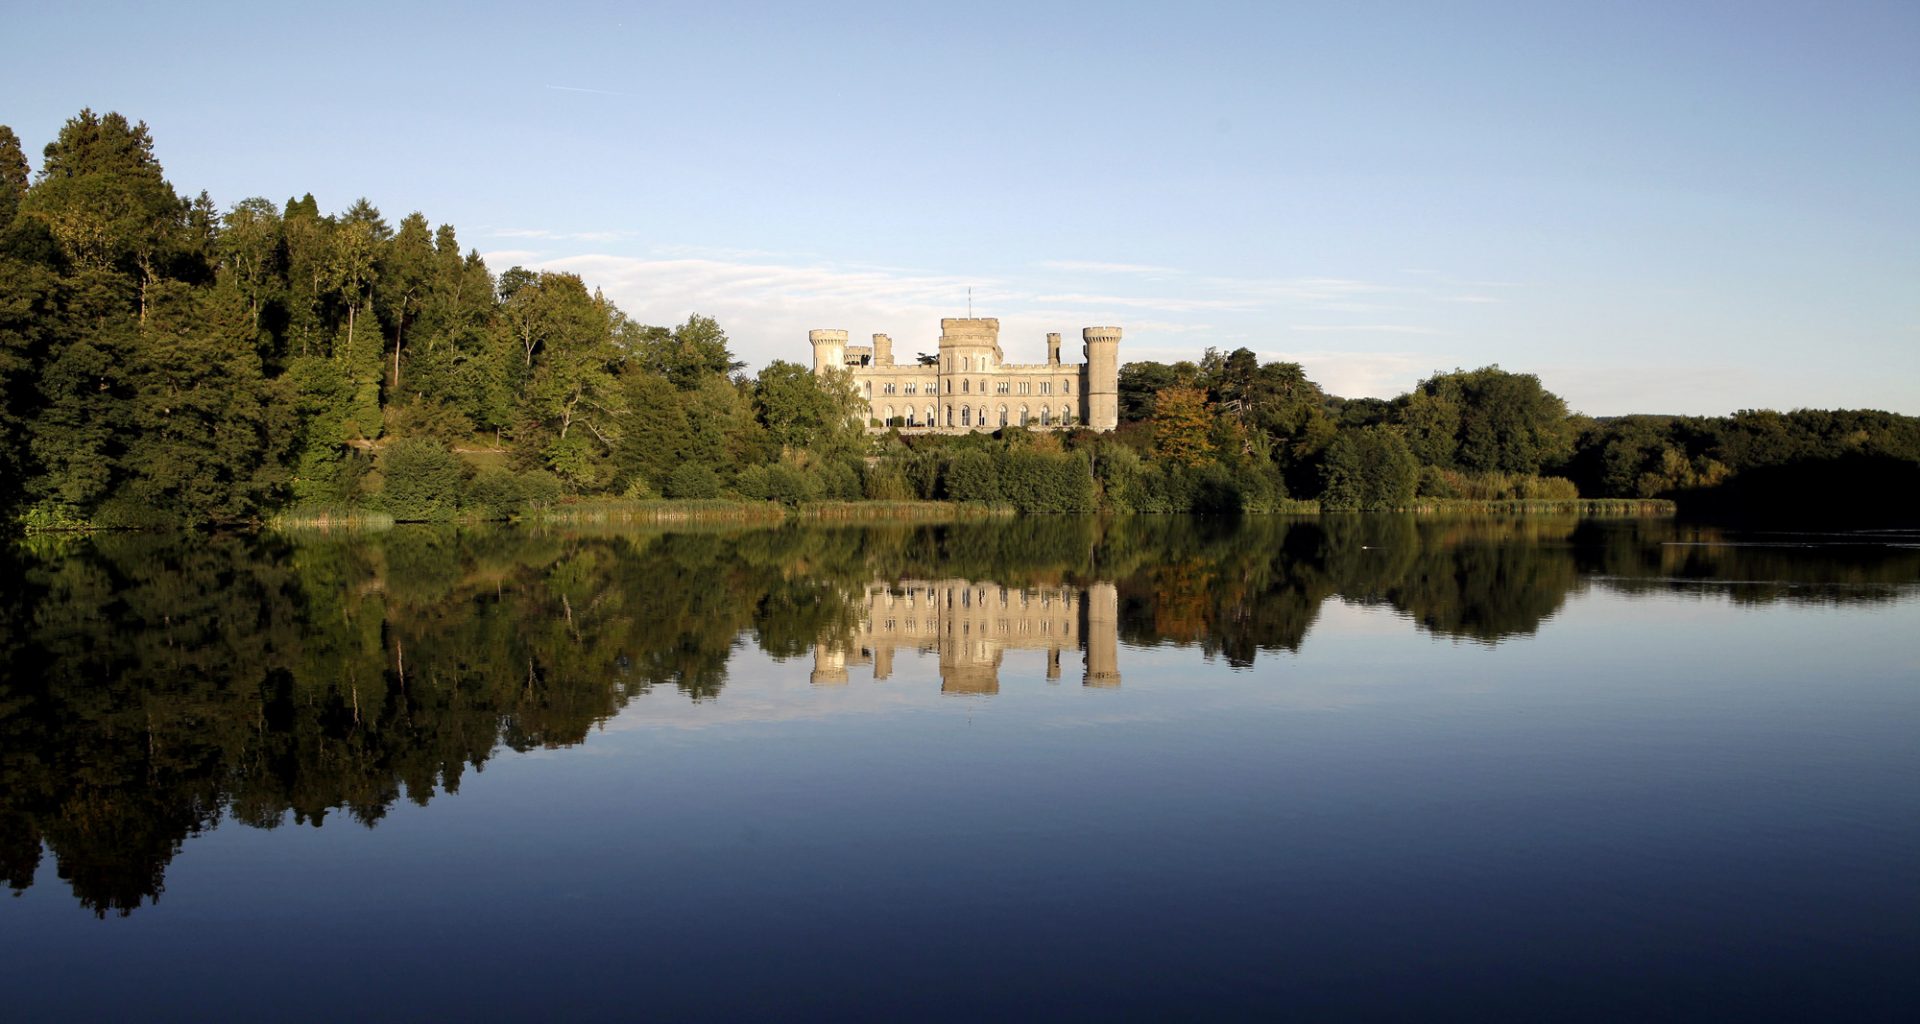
(896, 511)
(657, 510)
(1624, 507)
(330, 519)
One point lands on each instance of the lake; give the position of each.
(1366, 767)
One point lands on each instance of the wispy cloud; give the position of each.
(558, 236)
(1363, 329)
(1096, 267)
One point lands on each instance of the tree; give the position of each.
(206, 435)
(1182, 426)
(1371, 470)
(249, 253)
(352, 267)
(13, 176)
(1487, 421)
(687, 354)
(801, 410)
(104, 199)
(1140, 384)
(408, 268)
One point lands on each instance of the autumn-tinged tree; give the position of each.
(1182, 426)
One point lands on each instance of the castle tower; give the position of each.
(968, 345)
(882, 350)
(1103, 377)
(829, 666)
(1100, 631)
(1053, 350)
(829, 350)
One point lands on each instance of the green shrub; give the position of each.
(423, 480)
(692, 480)
(1371, 470)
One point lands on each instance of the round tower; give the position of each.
(1103, 377)
(829, 350)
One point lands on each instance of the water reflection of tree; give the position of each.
(156, 685)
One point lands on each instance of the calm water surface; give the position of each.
(1372, 767)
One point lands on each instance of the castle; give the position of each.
(970, 386)
(971, 625)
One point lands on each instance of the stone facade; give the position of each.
(971, 625)
(969, 385)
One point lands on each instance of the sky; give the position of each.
(1656, 207)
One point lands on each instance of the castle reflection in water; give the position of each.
(972, 625)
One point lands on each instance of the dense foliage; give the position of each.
(165, 362)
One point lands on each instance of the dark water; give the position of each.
(1348, 768)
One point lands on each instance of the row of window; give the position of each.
(966, 387)
(967, 417)
(971, 597)
(986, 628)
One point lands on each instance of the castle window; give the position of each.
(1046, 387)
(910, 422)
(949, 415)
(889, 415)
(963, 386)
(1066, 387)
(1046, 416)
(983, 387)
(1066, 416)
(1000, 388)
(964, 364)
(1003, 415)
(912, 388)
(869, 388)
(930, 420)
(949, 387)
(983, 416)
(1026, 387)
(966, 416)
(1023, 415)
(888, 389)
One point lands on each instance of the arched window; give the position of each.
(949, 387)
(910, 421)
(1046, 416)
(983, 387)
(949, 415)
(1046, 387)
(1003, 415)
(889, 416)
(982, 420)
(966, 416)
(964, 364)
(1066, 415)
(963, 386)
(1023, 415)
(930, 420)
(1066, 387)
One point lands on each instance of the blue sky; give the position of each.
(1660, 207)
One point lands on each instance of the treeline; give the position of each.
(164, 361)
(1492, 435)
